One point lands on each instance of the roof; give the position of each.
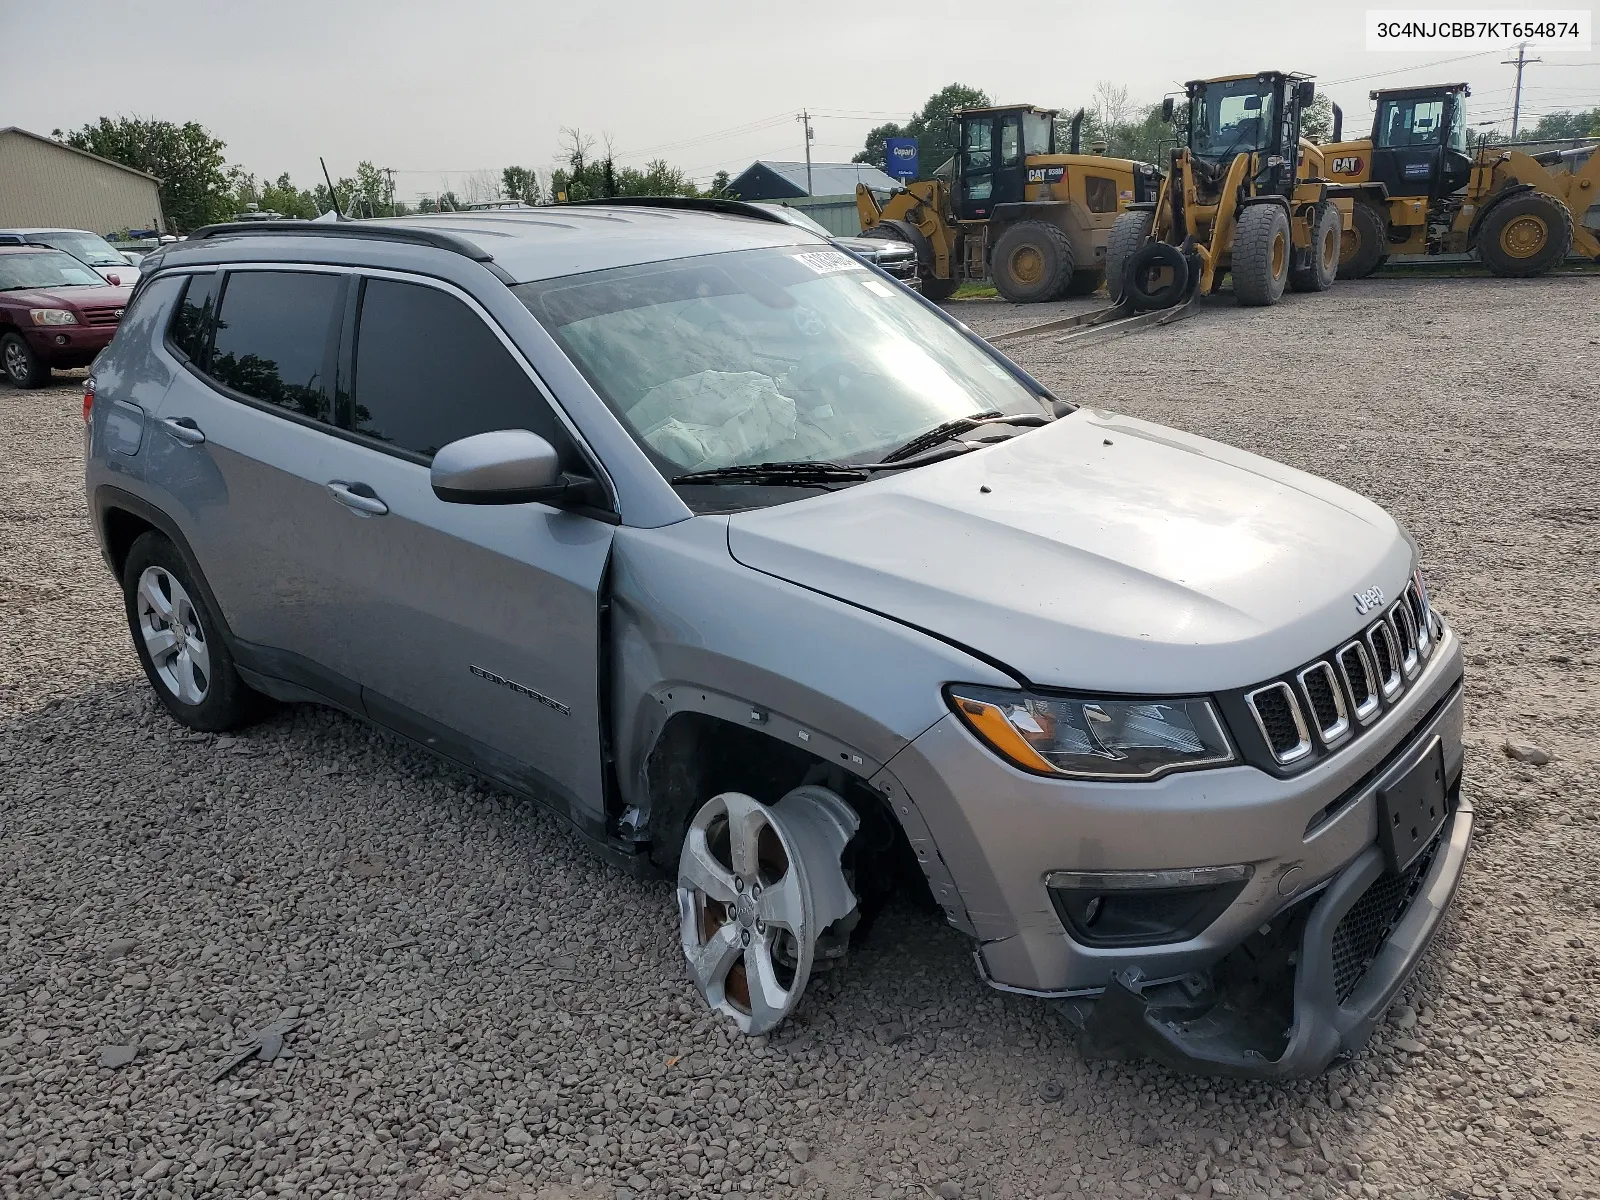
(74, 150)
(1420, 89)
(827, 179)
(542, 243)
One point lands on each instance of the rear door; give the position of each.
(241, 447)
(473, 628)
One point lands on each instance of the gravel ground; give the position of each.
(485, 1009)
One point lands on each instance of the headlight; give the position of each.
(52, 316)
(1091, 737)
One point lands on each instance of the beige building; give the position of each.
(46, 183)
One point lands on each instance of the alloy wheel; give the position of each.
(173, 635)
(757, 887)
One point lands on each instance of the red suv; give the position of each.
(55, 311)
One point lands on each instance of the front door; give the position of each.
(472, 628)
(1408, 143)
(975, 167)
(1010, 177)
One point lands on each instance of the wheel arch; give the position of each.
(121, 517)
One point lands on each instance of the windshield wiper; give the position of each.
(943, 433)
(799, 474)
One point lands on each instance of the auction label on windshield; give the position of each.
(826, 262)
(1544, 30)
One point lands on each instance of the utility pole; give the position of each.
(389, 171)
(805, 119)
(1519, 62)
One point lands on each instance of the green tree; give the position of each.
(931, 126)
(719, 185)
(1316, 122)
(520, 183)
(1563, 126)
(195, 187)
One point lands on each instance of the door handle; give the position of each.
(358, 496)
(184, 429)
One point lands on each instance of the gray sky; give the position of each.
(450, 86)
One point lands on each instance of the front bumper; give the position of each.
(1330, 1014)
(69, 345)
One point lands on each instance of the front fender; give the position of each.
(693, 630)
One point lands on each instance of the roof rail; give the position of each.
(348, 229)
(717, 204)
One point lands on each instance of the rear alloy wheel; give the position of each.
(22, 365)
(1524, 235)
(1261, 250)
(1364, 247)
(176, 635)
(1325, 245)
(758, 886)
(1032, 262)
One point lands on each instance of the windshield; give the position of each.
(795, 217)
(90, 247)
(1230, 118)
(781, 355)
(1415, 121)
(44, 269)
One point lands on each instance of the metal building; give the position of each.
(47, 183)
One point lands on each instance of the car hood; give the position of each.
(1099, 552)
(77, 298)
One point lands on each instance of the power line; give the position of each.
(1402, 70)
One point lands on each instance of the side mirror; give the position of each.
(114, 280)
(507, 466)
(1306, 92)
(1166, 110)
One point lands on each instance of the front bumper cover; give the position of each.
(1134, 1019)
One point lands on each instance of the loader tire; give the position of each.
(1524, 235)
(1084, 283)
(1129, 232)
(1262, 248)
(928, 284)
(1156, 277)
(1032, 262)
(1364, 247)
(1319, 275)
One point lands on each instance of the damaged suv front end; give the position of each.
(1218, 818)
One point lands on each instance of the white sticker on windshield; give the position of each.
(877, 287)
(827, 262)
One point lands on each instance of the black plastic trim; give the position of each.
(730, 208)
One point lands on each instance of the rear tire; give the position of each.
(1326, 231)
(1084, 283)
(1525, 235)
(1262, 248)
(1129, 232)
(1364, 247)
(1032, 262)
(22, 365)
(178, 637)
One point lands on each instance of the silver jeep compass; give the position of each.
(764, 573)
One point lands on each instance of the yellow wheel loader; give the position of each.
(1245, 196)
(1419, 189)
(1012, 210)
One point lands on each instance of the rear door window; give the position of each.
(428, 371)
(276, 339)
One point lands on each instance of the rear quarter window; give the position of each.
(1100, 193)
(190, 334)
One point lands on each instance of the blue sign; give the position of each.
(901, 156)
